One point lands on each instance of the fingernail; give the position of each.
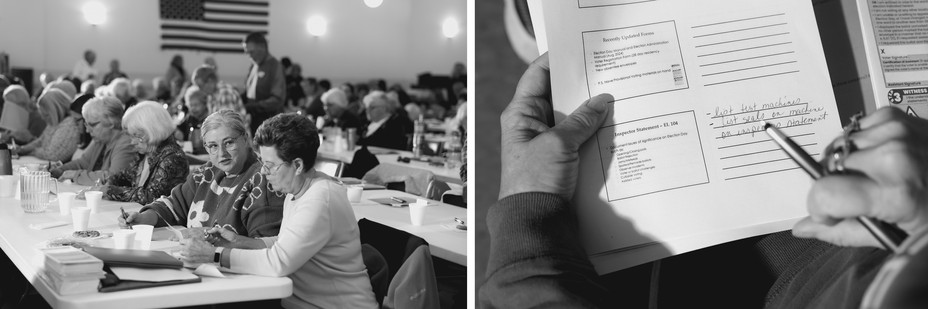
(598, 103)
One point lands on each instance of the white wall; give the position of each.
(395, 41)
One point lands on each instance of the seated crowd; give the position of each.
(269, 211)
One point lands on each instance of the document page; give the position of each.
(896, 42)
(683, 163)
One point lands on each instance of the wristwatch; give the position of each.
(217, 255)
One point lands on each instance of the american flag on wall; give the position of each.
(210, 25)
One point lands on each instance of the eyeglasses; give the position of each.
(270, 167)
(139, 137)
(230, 145)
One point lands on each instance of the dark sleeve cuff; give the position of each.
(530, 225)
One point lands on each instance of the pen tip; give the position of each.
(767, 125)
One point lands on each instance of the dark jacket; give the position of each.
(392, 134)
(167, 166)
(270, 91)
(345, 121)
(536, 260)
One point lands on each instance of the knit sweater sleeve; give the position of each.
(310, 231)
(174, 208)
(262, 210)
(535, 256)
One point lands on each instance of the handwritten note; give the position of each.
(745, 151)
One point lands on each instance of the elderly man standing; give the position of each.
(111, 150)
(219, 94)
(265, 86)
(386, 128)
(84, 69)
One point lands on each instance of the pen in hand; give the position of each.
(887, 234)
(125, 216)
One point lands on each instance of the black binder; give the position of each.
(112, 283)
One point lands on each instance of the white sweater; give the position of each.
(319, 248)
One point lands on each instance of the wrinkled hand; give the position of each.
(888, 181)
(221, 237)
(148, 217)
(101, 188)
(56, 172)
(535, 156)
(194, 232)
(195, 250)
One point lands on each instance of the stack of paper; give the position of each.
(72, 271)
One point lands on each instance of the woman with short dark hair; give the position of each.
(319, 243)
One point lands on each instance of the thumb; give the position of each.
(584, 121)
(227, 234)
(845, 233)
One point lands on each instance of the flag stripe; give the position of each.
(207, 29)
(199, 38)
(235, 22)
(237, 12)
(202, 48)
(249, 3)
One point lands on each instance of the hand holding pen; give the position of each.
(125, 217)
(884, 180)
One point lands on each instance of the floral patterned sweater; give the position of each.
(167, 167)
(209, 197)
(56, 143)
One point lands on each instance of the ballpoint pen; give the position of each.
(125, 216)
(887, 234)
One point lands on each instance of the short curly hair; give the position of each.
(292, 135)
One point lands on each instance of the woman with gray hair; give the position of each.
(110, 151)
(22, 122)
(163, 164)
(319, 246)
(227, 192)
(335, 104)
(62, 133)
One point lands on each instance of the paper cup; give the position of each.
(123, 239)
(93, 200)
(143, 236)
(65, 199)
(80, 217)
(417, 212)
(8, 185)
(354, 193)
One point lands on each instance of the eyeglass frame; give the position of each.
(140, 138)
(267, 170)
(229, 145)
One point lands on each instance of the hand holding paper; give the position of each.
(529, 141)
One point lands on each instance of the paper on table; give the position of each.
(681, 162)
(48, 225)
(152, 274)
